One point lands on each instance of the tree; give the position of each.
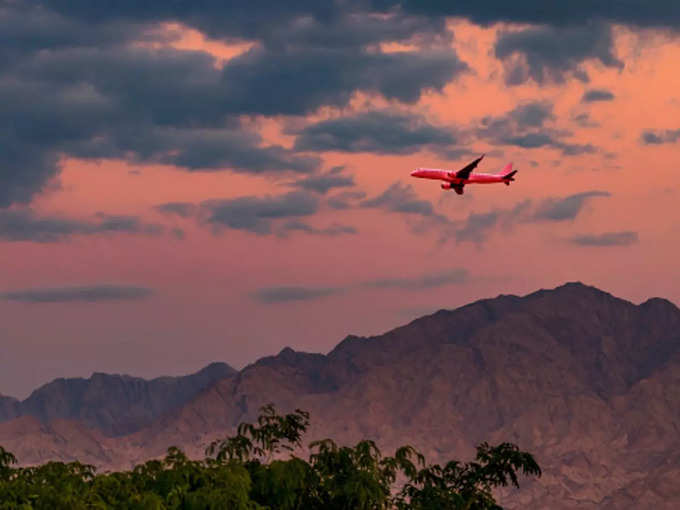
(257, 469)
(6, 461)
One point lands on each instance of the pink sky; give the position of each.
(203, 306)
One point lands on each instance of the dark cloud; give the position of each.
(323, 183)
(532, 114)
(300, 23)
(276, 82)
(575, 149)
(27, 27)
(381, 132)
(426, 281)
(141, 105)
(642, 13)
(284, 294)
(256, 214)
(182, 209)
(240, 151)
(347, 23)
(478, 226)
(567, 208)
(584, 120)
(526, 126)
(77, 83)
(278, 214)
(531, 140)
(624, 238)
(402, 199)
(87, 293)
(549, 53)
(345, 199)
(25, 225)
(336, 229)
(651, 137)
(124, 224)
(593, 95)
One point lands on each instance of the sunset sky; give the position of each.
(193, 181)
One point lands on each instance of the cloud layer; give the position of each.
(26, 225)
(88, 294)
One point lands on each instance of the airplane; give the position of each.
(457, 180)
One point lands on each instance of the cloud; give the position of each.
(269, 214)
(526, 126)
(77, 82)
(269, 82)
(532, 114)
(25, 225)
(323, 183)
(550, 53)
(285, 294)
(349, 23)
(402, 199)
(182, 209)
(567, 208)
(88, 294)
(426, 281)
(624, 238)
(651, 137)
(345, 199)
(256, 214)
(656, 13)
(478, 226)
(381, 132)
(584, 120)
(332, 25)
(336, 229)
(597, 95)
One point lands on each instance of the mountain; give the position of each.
(113, 404)
(587, 382)
(9, 408)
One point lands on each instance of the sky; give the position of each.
(187, 182)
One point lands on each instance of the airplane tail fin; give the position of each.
(508, 174)
(506, 170)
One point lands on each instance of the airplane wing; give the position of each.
(465, 172)
(458, 189)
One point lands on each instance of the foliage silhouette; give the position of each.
(257, 469)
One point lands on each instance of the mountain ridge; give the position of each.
(116, 404)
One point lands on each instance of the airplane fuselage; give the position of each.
(449, 176)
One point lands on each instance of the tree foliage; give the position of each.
(257, 469)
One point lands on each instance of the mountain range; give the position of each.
(113, 404)
(588, 382)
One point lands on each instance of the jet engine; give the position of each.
(446, 185)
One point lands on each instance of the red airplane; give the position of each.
(456, 180)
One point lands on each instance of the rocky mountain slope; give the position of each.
(588, 382)
(113, 404)
(9, 407)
